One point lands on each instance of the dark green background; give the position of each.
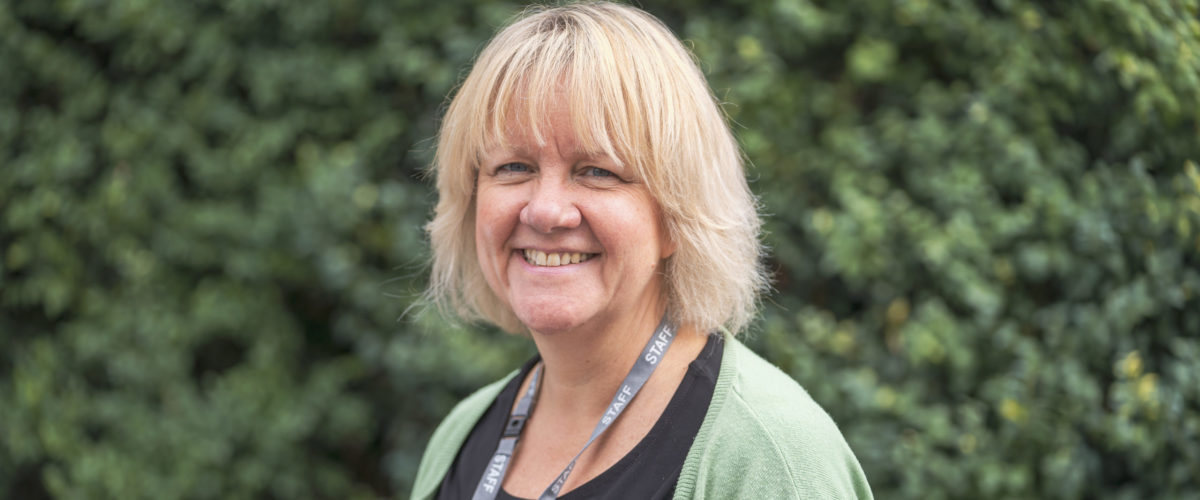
(984, 220)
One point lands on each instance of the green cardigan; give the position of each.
(763, 437)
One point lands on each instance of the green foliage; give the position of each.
(985, 223)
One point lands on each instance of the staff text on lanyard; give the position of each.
(493, 476)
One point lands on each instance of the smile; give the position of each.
(540, 258)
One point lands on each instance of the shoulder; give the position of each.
(449, 437)
(767, 437)
(774, 406)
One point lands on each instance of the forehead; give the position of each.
(527, 127)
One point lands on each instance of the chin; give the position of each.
(552, 325)
(550, 319)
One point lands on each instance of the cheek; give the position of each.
(643, 226)
(484, 218)
(487, 249)
(494, 222)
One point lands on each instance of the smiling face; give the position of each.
(567, 239)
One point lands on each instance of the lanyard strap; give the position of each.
(493, 476)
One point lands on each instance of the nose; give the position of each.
(550, 207)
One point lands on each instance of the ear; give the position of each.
(669, 245)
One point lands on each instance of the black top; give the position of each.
(649, 470)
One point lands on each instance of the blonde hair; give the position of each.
(635, 94)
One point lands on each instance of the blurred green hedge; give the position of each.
(984, 220)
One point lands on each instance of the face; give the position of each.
(568, 240)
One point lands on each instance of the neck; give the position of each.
(583, 369)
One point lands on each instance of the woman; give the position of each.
(592, 197)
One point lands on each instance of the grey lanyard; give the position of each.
(493, 476)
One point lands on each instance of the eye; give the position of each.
(597, 172)
(512, 168)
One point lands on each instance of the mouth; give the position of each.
(543, 259)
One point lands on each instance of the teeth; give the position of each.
(540, 258)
